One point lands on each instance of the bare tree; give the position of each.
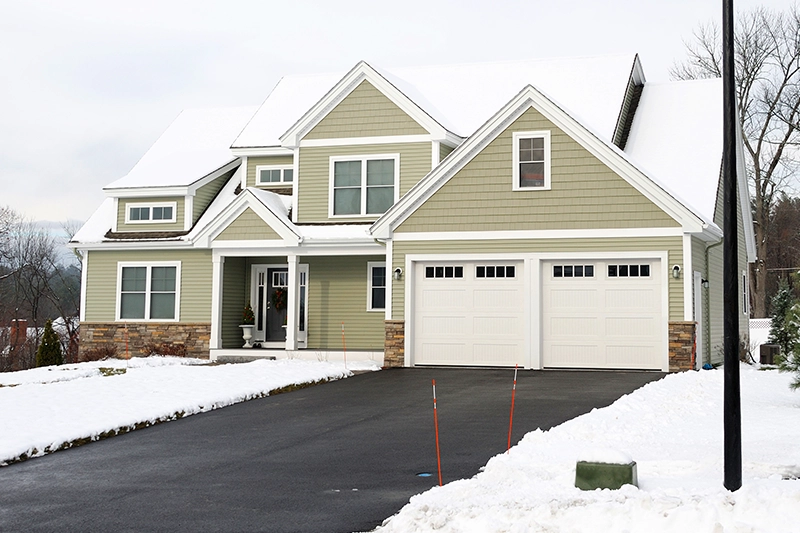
(767, 72)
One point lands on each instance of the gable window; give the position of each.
(376, 292)
(149, 213)
(271, 175)
(148, 291)
(363, 186)
(531, 160)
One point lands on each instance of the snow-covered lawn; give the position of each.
(672, 428)
(46, 409)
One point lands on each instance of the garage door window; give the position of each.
(573, 271)
(628, 271)
(495, 271)
(444, 272)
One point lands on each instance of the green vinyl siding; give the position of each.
(365, 112)
(206, 194)
(337, 293)
(585, 193)
(234, 298)
(314, 179)
(247, 226)
(672, 245)
(444, 151)
(276, 160)
(178, 225)
(712, 314)
(101, 276)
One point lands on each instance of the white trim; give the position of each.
(282, 168)
(116, 215)
(687, 269)
(188, 212)
(151, 206)
(243, 179)
(295, 186)
(389, 279)
(255, 249)
(148, 281)
(293, 302)
(519, 135)
(370, 306)
(147, 192)
(358, 141)
(435, 152)
(534, 312)
(593, 233)
(84, 283)
(256, 151)
(332, 160)
(217, 273)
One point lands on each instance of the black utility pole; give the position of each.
(732, 413)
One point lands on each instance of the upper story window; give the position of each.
(531, 160)
(363, 186)
(271, 175)
(151, 213)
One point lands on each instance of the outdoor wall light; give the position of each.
(398, 273)
(704, 283)
(676, 271)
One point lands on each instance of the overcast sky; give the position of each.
(87, 86)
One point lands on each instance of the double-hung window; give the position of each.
(148, 291)
(363, 186)
(274, 175)
(151, 213)
(531, 160)
(376, 286)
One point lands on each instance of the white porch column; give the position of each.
(292, 303)
(218, 265)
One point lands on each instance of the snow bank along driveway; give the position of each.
(51, 408)
(672, 428)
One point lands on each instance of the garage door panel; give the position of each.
(610, 318)
(443, 298)
(573, 298)
(475, 319)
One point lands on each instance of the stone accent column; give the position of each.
(681, 346)
(394, 345)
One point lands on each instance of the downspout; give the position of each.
(707, 309)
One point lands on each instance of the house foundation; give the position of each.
(394, 344)
(194, 338)
(682, 338)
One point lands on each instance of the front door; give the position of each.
(270, 301)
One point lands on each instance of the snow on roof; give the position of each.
(676, 139)
(98, 224)
(196, 144)
(462, 97)
(223, 199)
(277, 203)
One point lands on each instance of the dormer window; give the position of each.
(531, 160)
(163, 212)
(273, 175)
(363, 186)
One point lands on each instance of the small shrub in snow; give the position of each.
(166, 348)
(99, 353)
(49, 352)
(784, 326)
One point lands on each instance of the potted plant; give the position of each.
(247, 325)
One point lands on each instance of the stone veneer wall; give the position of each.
(394, 344)
(195, 337)
(681, 346)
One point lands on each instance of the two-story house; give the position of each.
(548, 213)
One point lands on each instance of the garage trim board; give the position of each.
(464, 318)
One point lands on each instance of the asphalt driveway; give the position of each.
(338, 457)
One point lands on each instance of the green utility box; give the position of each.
(590, 476)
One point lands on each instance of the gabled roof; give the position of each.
(196, 144)
(458, 98)
(594, 142)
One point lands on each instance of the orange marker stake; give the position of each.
(511, 416)
(436, 425)
(344, 348)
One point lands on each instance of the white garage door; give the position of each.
(469, 313)
(602, 314)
